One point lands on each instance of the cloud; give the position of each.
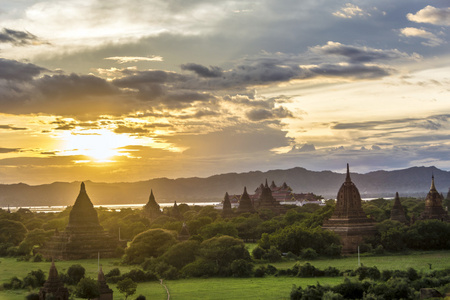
(265, 114)
(432, 40)
(433, 122)
(349, 11)
(131, 130)
(203, 71)
(9, 150)
(355, 54)
(431, 15)
(18, 38)
(303, 148)
(128, 59)
(9, 127)
(12, 70)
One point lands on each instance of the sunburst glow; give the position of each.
(101, 145)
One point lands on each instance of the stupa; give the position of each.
(151, 210)
(105, 293)
(397, 211)
(227, 211)
(83, 237)
(53, 288)
(433, 205)
(245, 203)
(349, 220)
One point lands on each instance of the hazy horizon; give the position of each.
(125, 92)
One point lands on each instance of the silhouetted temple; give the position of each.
(226, 210)
(397, 211)
(151, 210)
(245, 203)
(105, 293)
(83, 237)
(53, 288)
(433, 205)
(267, 201)
(349, 220)
(175, 212)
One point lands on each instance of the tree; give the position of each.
(223, 251)
(150, 243)
(11, 232)
(181, 254)
(36, 237)
(87, 288)
(76, 273)
(127, 287)
(217, 229)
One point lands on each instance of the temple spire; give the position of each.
(433, 187)
(348, 179)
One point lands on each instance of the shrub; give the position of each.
(272, 255)
(258, 252)
(308, 253)
(260, 271)
(242, 268)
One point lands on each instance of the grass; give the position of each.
(229, 288)
(418, 260)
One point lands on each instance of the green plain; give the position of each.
(230, 288)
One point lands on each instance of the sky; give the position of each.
(122, 91)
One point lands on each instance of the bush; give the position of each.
(350, 289)
(242, 268)
(331, 272)
(368, 272)
(272, 255)
(200, 268)
(258, 252)
(308, 253)
(260, 271)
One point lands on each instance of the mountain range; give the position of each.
(413, 182)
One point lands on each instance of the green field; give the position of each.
(229, 288)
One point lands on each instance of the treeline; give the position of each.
(371, 284)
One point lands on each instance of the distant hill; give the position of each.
(408, 182)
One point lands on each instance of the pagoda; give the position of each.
(267, 201)
(349, 220)
(227, 211)
(53, 288)
(105, 293)
(433, 205)
(83, 237)
(151, 210)
(397, 211)
(245, 203)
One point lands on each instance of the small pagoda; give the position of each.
(105, 293)
(397, 211)
(151, 210)
(349, 220)
(433, 205)
(53, 288)
(245, 203)
(83, 237)
(227, 210)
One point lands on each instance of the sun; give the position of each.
(101, 145)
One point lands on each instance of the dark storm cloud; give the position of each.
(12, 70)
(9, 127)
(203, 71)
(18, 38)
